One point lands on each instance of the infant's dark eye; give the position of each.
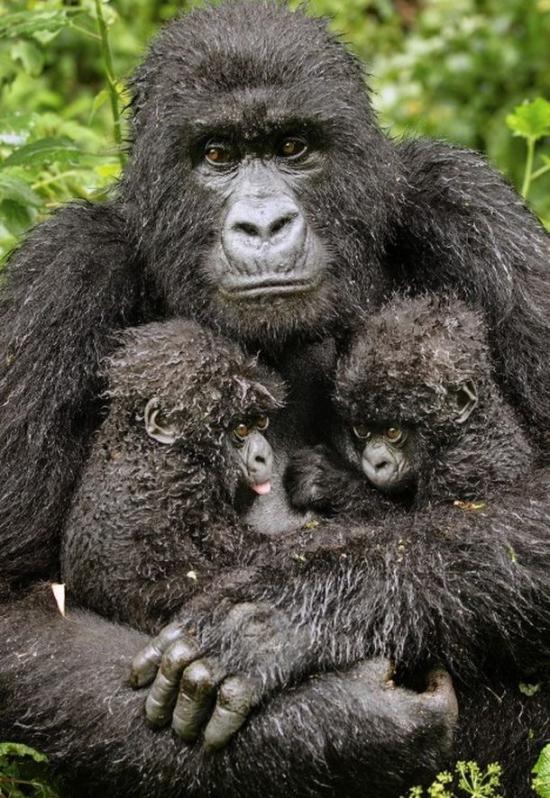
(262, 423)
(292, 147)
(395, 435)
(220, 153)
(362, 432)
(241, 432)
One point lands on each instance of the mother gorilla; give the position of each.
(262, 199)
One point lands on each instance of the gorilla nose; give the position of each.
(275, 228)
(259, 460)
(378, 467)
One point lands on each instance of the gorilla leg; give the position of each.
(65, 674)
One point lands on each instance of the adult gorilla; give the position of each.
(262, 199)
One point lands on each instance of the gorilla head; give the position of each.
(258, 175)
(419, 406)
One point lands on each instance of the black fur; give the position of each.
(419, 215)
(404, 369)
(151, 524)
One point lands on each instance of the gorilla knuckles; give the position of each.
(263, 173)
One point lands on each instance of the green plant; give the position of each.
(531, 121)
(541, 770)
(24, 773)
(52, 154)
(467, 779)
(453, 69)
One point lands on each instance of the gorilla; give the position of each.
(420, 417)
(154, 517)
(262, 200)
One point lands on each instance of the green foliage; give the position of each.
(24, 773)
(467, 779)
(531, 121)
(541, 770)
(453, 69)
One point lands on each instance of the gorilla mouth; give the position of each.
(273, 285)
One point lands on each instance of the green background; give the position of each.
(452, 69)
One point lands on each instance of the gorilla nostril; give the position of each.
(259, 459)
(381, 466)
(284, 221)
(247, 228)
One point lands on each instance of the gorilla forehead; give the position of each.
(242, 46)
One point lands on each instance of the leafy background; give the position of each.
(453, 69)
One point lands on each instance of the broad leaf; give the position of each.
(18, 749)
(530, 120)
(541, 783)
(26, 23)
(29, 55)
(15, 217)
(13, 188)
(43, 150)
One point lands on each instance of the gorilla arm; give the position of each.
(68, 286)
(467, 586)
(62, 690)
(464, 228)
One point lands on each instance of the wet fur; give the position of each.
(418, 214)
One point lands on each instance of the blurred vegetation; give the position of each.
(453, 69)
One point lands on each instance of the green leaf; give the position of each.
(529, 689)
(29, 55)
(13, 188)
(541, 783)
(530, 120)
(99, 100)
(18, 749)
(26, 23)
(42, 150)
(15, 217)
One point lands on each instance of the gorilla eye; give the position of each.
(292, 147)
(395, 435)
(262, 423)
(220, 153)
(362, 431)
(241, 432)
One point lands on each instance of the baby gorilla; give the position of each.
(154, 515)
(419, 416)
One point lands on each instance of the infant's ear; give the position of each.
(466, 399)
(155, 426)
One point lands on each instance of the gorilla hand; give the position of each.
(192, 690)
(309, 479)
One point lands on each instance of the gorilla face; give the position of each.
(259, 183)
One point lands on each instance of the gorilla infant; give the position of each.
(419, 416)
(155, 513)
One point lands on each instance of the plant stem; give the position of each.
(528, 167)
(111, 78)
(54, 179)
(80, 29)
(540, 172)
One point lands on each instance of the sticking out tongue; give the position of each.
(262, 488)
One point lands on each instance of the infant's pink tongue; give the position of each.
(262, 488)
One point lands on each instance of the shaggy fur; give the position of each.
(417, 214)
(402, 368)
(151, 523)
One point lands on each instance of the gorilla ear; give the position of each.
(154, 427)
(466, 399)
